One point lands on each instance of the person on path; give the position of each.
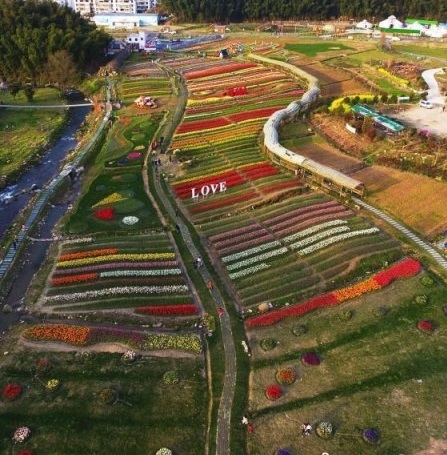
(210, 285)
(244, 420)
(220, 311)
(251, 428)
(14, 244)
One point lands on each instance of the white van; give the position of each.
(426, 104)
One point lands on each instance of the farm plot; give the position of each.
(358, 369)
(141, 273)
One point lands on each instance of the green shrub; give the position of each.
(267, 344)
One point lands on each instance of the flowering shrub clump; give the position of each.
(88, 254)
(286, 376)
(282, 452)
(164, 451)
(134, 155)
(311, 359)
(267, 344)
(107, 396)
(421, 299)
(273, 392)
(12, 391)
(105, 214)
(299, 330)
(21, 435)
(129, 356)
(130, 220)
(325, 430)
(53, 385)
(371, 435)
(426, 326)
(427, 281)
(171, 377)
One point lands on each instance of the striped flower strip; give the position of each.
(88, 254)
(73, 279)
(241, 237)
(248, 243)
(259, 258)
(154, 272)
(115, 291)
(313, 229)
(116, 265)
(233, 232)
(117, 257)
(407, 268)
(336, 239)
(249, 270)
(319, 236)
(84, 336)
(168, 310)
(250, 251)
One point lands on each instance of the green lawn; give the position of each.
(312, 49)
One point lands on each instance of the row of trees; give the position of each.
(239, 10)
(42, 42)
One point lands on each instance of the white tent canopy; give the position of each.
(391, 22)
(416, 26)
(364, 24)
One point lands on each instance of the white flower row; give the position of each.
(335, 239)
(259, 258)
(313, 229)
(155, 272)
(125, 290)
(79, 240)
(249, 270)
(130, 220)
(250, 251)
(319, 236)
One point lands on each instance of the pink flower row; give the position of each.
(241, 237)
(241, 230)
(116, 265)
(312, 221)
(244, 245)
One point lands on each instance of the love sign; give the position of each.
(206, 190)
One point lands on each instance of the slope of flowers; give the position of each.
(406, 268)
(85, 336)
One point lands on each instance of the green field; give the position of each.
(312, 49)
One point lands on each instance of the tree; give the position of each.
(14, 88)
(29, 92)
(61, 70)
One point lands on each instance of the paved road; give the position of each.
(433, 94)
(420, 243)
(43, 106)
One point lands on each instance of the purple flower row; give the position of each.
(292, 213)
(312, 221)
(311, 215)
(237, 231)
(116, 265)
(242, 246)
(240, 238)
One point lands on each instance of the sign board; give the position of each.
(206, 190)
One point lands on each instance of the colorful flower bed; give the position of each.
(88, 254)
(227, 68)
(168, 310)
(200, 125)
(273, 392)
(286, 376)
(83, 336)
(310, 359)
(406, 268)
(371, 435)
(73, 279)
(21, 435)
(104, 214)
(12, 391)
(244, 197)
(426, 326)
(254, 114)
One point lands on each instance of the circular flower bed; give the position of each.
(21, 435)
(421, 299)
(52, 385)
(311, 359)
(164, 451)
(130, 220)
(425, 326)
(325, 430)
(134, 155)
(273, 392)
(171, 377)
(427, 281)
(346, 315)
(371, 435)
(108, 396)
(380, 312)
(12, 391)
(267, 344)
(286, 376)
(299, 330)
(282, 452)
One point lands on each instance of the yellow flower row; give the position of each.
(117, 257)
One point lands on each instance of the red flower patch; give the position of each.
(79, 278)
(200, 125)
(311, 359)
(426, 326)
(258, 113)
(12, 391)
(105, 214)
(229, 68)
(168, 310)
(273, 392)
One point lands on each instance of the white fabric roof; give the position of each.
(364, 24)
(391, 22)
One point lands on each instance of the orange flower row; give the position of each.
(356, 290)
(58, 332)
(88, 254)
(79, 278)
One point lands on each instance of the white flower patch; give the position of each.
(335, 239)
(259, 258)
(313, 229)
(155, 272)
(249, 270)
(111, 292)
(250, 251)
(78, 240)
(319, 236)
(130, 220)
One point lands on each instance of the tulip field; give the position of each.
(140, 273)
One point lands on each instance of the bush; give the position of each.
(325, 430)
(311, 359)
(380, 312)
(267, 344)
(427, 281)
(371, 435)
(346, 315)
(171, 377)
(421, 299)
(299, 330)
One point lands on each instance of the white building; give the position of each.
(93, 7)
(125, 20)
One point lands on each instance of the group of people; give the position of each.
(249, 425)
(198, 262)
(306, 429)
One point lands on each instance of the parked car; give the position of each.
(426, 104)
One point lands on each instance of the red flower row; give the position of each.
(281, 186)
(200, 125)
(205, 181)
(218, 70)
(105, 214)
(258, 113)
(168, 310)
(79, 278)
(87, 254)
(232, 181)
(224, 202)
(407, 268)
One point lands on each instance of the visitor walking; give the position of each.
(210, 285)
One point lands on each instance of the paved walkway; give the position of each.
(420, 243)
